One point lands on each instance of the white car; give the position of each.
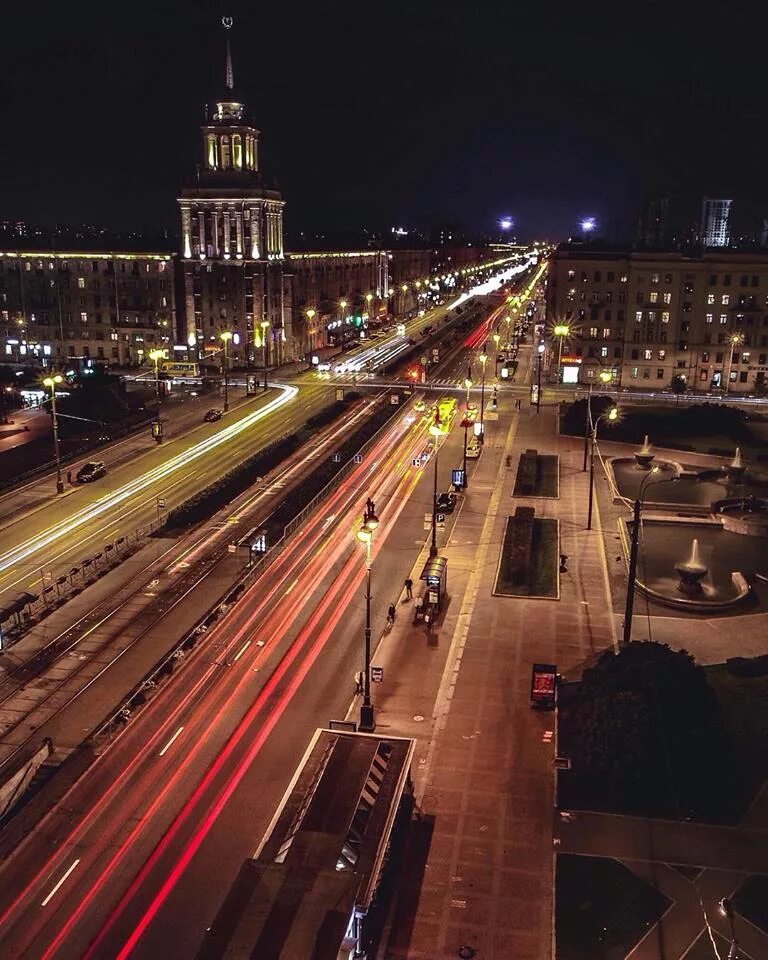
(473, 450)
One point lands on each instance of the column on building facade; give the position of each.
(255, 239)
(239, 229)
(186, 231)
(215, 215)
(225, 215)
(201, 228)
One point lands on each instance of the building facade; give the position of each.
(60, 307)
(650, 317)
(235, 276)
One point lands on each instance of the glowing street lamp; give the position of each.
(156, 356)
(561, 331)
(467, 384)
(264, 327)
(588, 225)
(365, 536)
(436, 429)
(51, 382)
(225, 337)
(506, 223)
(310, 313)
(735, 340)
(483, 358)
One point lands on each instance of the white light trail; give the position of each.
(133, 487)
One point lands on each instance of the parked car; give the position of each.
(473, 449)
(91, 471)
(213, 415)
(446, 502)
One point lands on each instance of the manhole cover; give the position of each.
(418, 718)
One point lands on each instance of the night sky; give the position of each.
(375, 114)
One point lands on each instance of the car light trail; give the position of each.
(166, 469)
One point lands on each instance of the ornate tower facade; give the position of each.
(234, 269)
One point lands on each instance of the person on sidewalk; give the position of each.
(417, 608)
(69, 477)
(391, 614)
(408, 588)
(359, 688)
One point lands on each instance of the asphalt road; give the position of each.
(60, 533)
(148, 840)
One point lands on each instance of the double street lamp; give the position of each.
(226, 337)
(311, 314)
(633, 549)
(264, 327)
(365, 536)
(735, 340)
(605, 377)
(611, 416)
(51, 382)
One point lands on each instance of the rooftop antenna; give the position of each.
(227, 23)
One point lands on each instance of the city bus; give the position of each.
(180, 368)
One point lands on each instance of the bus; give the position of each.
(180, 368)
(447, 409)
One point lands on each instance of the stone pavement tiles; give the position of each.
(487, 778)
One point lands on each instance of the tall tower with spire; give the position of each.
(232, 240)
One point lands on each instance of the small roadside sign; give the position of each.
(336, 458)
(231, 548)
(161, 503)
(377, 674)
(358, 458)
(340, 393)
(416, 462)
(441, 521)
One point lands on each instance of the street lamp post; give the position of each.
(633, 548)
(311, 313)
(157, 356)
(467, 384)
(483, 360)
(540, 350)
(365, 535)
(264, 327)
(436, 431)
(226, 337)
(496, 339)
(51, 382)
(735, 340)
(561, 331)
(726, 910)
(605, 377)
(610, 415)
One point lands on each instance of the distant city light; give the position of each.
(399, 232)
(506, 223)
(588, 224)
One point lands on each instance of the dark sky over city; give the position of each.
(372, 115)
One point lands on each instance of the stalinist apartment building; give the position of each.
(648, 317)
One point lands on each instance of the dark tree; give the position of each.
(678, 386)
(641, 731)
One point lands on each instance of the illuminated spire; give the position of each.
(227, 24)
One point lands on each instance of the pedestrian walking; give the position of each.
(69, 476)
(408, 589)
(391, 614)
(359, 683)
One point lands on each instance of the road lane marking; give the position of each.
(291, 586)
(53, 892)
(170, 742)
(242, 650)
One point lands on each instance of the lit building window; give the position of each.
(606, 333)
(653, 296)
(212, 151)
(710, 298)
(84, 317)
(662, 354)
(638, 315)
(725, 299)
(237, 151)
(667, 298)
(723, 318)
(225, 153)
(654, 278)
(648, 354)
(623, 278)
(81, 283)
(593, 333)
(665, 316)
(710, 317)
(603, 351)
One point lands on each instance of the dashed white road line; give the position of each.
(55, 890)
(170, 742)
